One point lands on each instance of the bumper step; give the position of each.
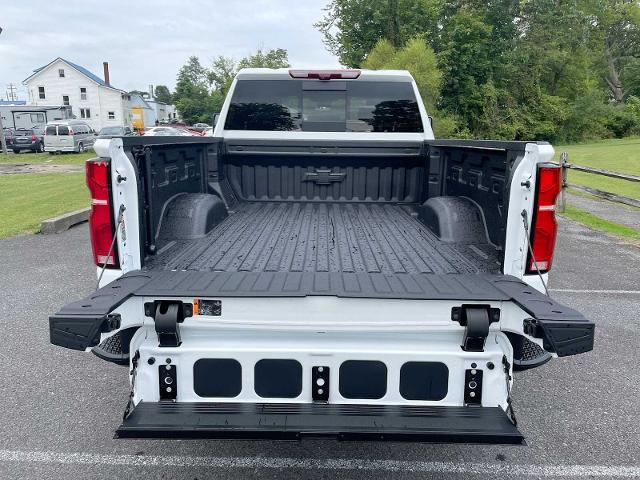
(345, 422)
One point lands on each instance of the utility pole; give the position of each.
(11, 92)
(2, 139)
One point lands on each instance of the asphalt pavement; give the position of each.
(60, 407)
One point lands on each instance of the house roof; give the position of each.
(79, 68)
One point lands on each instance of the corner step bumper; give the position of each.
(345, 422)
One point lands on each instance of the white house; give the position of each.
(90, 97)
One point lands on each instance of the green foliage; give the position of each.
(510, 69)
(200, 91)
(418, 58)
(351, 28)
(163, 94)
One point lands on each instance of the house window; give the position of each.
(61, 72)
(85, 113)
(41, 94)
(83, 93)
(111, 115)
(65, 100)
(37, 118)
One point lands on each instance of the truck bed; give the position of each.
(324, 237)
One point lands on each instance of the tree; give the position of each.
(351, 28)
(418, 58)
(514, 69)
(277, 58)
(163, 94)
(200, 91)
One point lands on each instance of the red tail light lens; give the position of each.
(33, 138)
(101, 223)
(325, 74)
(544, 225)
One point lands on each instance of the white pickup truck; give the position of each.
(322, 266)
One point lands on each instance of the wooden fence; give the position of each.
(614, 197)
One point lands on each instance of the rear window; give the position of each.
(111, 131)
(51, 130)
(24, 133)
(63, 130)
(316, 106)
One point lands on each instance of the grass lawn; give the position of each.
(601, 224)
(61, 159)
(619, 155)
(27, 199)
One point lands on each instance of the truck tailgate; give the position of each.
(78, 325)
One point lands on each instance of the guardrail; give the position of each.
(564, 163)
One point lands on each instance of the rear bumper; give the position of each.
(296, 421)
(66, 148)
(24, 146)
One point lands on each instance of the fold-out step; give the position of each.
(345, 422)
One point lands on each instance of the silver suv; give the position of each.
(70, 136)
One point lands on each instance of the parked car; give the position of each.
(166, 132)
(109, 132)
(323, 266)
(68, 136)
(199, 127)
(27, 139)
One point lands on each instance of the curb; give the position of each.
(64, 221)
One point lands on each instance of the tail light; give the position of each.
(544, 225)
(34, 138)
(325, 74)
(101, 224)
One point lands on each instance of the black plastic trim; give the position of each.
(488, 425)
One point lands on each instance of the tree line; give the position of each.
(200, 90)
(557, 70)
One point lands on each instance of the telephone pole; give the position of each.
(2, 140)
(11, 92)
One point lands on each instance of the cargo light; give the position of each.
(544, 226)
(325, 74)
(101, 224)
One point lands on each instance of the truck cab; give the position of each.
(322, 266)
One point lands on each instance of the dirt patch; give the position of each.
(16, 168)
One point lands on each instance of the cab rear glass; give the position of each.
(324, 106)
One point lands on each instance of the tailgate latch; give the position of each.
(476, 320)
(167, 315)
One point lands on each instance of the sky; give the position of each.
(146, 42)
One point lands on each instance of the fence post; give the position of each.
(564, 165)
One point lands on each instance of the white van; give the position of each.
(68, 136)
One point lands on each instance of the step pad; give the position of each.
(345, 422)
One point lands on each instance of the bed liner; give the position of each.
(355, 238)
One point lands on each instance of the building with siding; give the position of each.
(88, 96)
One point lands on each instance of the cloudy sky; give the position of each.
(146, 42)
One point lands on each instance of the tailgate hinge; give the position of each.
(476, 320)
(167, 315)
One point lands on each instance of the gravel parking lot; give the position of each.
(60, 408)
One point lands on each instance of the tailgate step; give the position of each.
(345, 422)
